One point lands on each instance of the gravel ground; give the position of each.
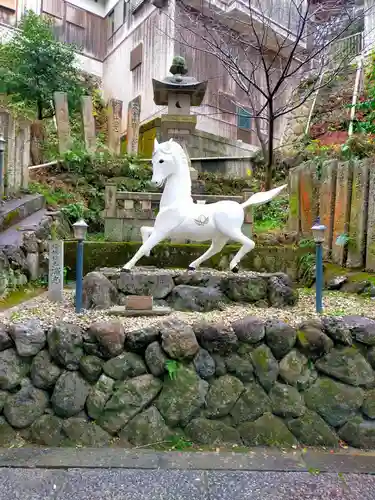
(335, 303)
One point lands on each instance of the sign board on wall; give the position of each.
(134, 118)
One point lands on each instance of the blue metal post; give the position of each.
(319, 278)
(79, 276)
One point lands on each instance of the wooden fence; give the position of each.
(343, 194)
(126, 212)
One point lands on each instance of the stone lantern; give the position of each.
(179, 92)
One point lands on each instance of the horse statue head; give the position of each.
(166, 161)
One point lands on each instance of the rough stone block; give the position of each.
(294, 200)
(370, 247)
(342, 210)
(358, 215)
(327, 202)
(309, 199)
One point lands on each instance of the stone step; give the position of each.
(14, 211)
(13, 235)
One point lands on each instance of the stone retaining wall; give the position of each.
(199, 291)
(249, 383)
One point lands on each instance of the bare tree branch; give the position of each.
(266, 59)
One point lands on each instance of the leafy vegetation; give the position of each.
(271, 216)
(172, 366)
(34, 65)
(365, 108)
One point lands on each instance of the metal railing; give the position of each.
(345, 49)
(282, 13)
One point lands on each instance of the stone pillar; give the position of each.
(88, 123)
(18, 158)
(134, 119)
(370, 243)
(114, 125)
(309, 197)
(56, 271)
(10, 163)
(358, 215)
(342, 210)
(294, 200)
(327, 202)
(26, 157)
(62, 121)
(113, 224)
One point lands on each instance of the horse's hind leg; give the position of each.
(146, 233)
(247, 245)
(230, 225)
(218, 243)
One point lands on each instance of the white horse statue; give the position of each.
(180, 218)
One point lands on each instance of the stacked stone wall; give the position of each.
(246, 383)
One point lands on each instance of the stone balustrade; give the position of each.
(126, 212)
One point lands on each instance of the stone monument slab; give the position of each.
(56, 271)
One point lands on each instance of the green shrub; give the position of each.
(99, 254)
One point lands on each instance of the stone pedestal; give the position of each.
(179, 127)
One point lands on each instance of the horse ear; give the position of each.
(171, 140)
(156, 144)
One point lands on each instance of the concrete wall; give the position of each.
(149, 28)
(204, 144)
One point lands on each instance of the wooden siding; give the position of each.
(77, 26)
(7, 15)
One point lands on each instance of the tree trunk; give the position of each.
(269, 159)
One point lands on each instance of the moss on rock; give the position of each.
(268, 430)
(181, 397)
(265, 366)
(334, 401)
(286, 401)
(252, 404)
(311, 430)
(222, 396)
(148, 427)
(212, 432)
(347, 365)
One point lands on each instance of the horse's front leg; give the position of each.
(166, 222)
(146, 232)
(155, 238)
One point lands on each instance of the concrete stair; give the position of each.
(16, 216)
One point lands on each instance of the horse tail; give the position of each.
(262, 197)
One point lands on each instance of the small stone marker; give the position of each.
(56, 271)
(139, 303)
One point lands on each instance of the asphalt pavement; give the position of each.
(115, 474)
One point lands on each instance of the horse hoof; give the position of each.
(235, 269)
(125, 270)
(191, 268)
